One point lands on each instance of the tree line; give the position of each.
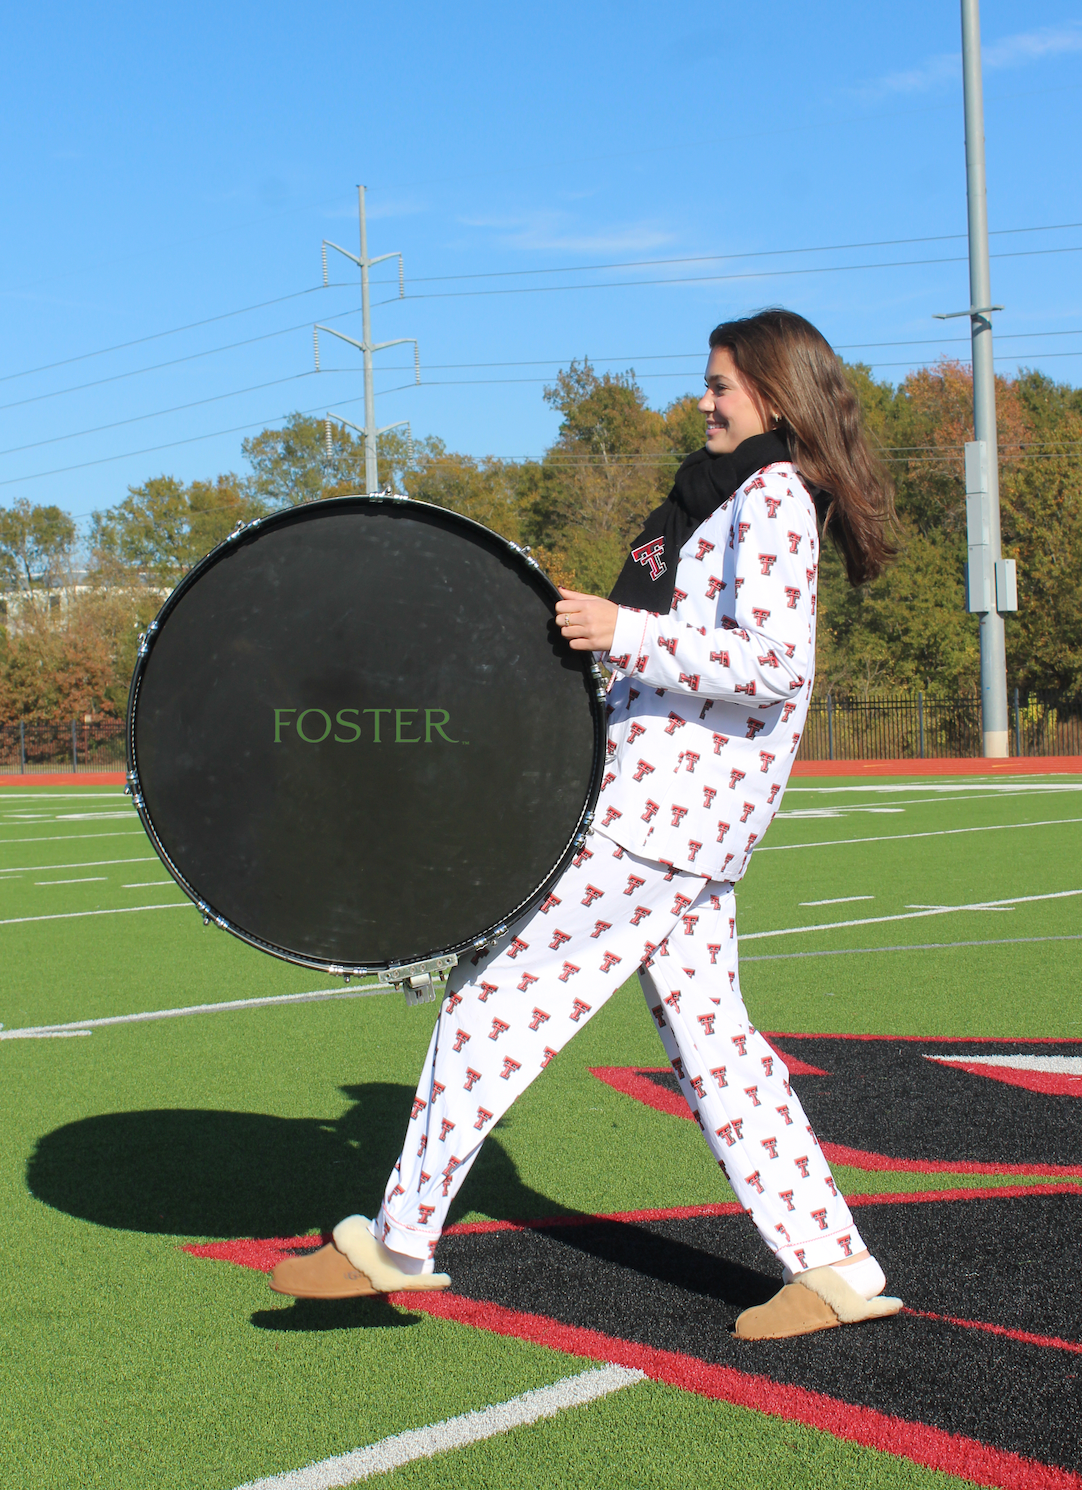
(72, 610)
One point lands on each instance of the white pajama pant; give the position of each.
(512, 1010)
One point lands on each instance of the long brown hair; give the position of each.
(791, 370)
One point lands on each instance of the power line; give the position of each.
(553, 289)
(158, 413)
(122, 346)
(698, 279)
(465, 382)
(175, 361)
(765, 253)
(346, 403)
(892, 454)
(510, 273)
(171, 444)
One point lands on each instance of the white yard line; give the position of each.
(120, 910)
(938, 910)
(84, 1026)
(1059, 1065)
(936, 833)
(999, 941)
(71, 837)
(838, 900)
(90, 864)
(454, 1433)
(1010, 786)
(86, 879)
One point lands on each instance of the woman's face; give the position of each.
(731, 413)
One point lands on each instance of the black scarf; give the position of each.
(703, 483)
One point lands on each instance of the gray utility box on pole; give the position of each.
(991, 583)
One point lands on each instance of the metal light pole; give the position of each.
(991, 588)
(367, 346)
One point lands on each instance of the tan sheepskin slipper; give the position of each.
(353, 1265)
(353, 1236)
(323, 1274)
(819, 1299)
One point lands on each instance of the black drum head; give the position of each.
(356, 737)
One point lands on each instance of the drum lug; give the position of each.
(416, 978)
(144, 638)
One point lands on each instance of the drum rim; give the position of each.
(133, 787)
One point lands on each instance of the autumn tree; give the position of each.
(611, 463)
(291, 465)
(162, 528)
(36, 547)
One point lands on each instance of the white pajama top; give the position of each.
(707, 704)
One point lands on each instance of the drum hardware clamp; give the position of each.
(416, 978)
(144, 638)
(526, 554)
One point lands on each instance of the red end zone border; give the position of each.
(932, 1448)
(66, 778)
(1017, 765)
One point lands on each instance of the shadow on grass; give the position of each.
(207, 1175)
(309, 1316)
(210, 1175)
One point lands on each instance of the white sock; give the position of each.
(411, 1266)
(865, 1277)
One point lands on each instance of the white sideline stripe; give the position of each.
(838, 900)
(454, 1433)
(936, 833)
(41, 1034)
(71, 837)
(1060, 1065)
(90, 864)
(938, 910)
(999, 941)
(1006, 786)
(86, 879)
(119, 910)
(85, 1026)
(92, 794)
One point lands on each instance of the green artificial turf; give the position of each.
(657, 1436)
(126, 1362)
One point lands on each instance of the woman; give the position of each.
(710, 639)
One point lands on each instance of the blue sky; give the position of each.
(168, 165)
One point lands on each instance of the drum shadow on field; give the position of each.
(216, 1175)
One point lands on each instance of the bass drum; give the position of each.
(356, 738)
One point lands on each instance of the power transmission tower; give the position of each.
(991, 588)
(367, 346)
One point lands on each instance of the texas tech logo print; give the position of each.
(650, 554)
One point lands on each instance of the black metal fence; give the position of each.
(921, 726)
(925, 726)
(45, 746)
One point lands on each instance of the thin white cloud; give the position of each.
(552, 232)
(1031, 46)
(946, 67)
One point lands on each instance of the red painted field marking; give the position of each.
(931, 1447)
(264, 1253)
(1020, 765)
(1051, 1341)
